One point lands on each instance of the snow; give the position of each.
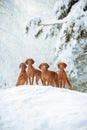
(16, 46)
(60, 8)
(42, 108)
(38, 107)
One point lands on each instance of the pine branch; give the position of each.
(59, 22)
(49, 24)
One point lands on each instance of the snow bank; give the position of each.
(42, 108)
(66, 41)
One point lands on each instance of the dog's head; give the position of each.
(62, 65)
(23, 65)
(29, 61)
(43, 66)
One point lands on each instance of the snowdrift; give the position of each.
(42, 108)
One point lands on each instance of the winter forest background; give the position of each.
(63, 37)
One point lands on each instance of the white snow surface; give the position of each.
(42, 108)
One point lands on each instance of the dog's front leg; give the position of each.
(44, 82)
(27, 82)
(69, 84)
(37, 79)
(32, 80)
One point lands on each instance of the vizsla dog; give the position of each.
(32, 72)
(22, 78)
(48, 77)
(62, 76)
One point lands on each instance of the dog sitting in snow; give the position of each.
(22, 78)
(62, 76)
(32, 72)
(48, 77)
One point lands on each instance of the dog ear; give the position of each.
(47, 66)
(26, 62)
(65, 65)
(62, 63)
(40, 66)
(20, 66)
(32, 61)
(25, 66)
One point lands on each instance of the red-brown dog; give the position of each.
(62, 76)
(22, 78)
(32, 72)
(48, 77)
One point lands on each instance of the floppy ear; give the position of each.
(20, 66)
(26, 62)
(25, 66)
(47, 66)
(40, 66)
(32, 61)
(65, 65)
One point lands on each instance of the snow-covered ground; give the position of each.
(42, 108)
